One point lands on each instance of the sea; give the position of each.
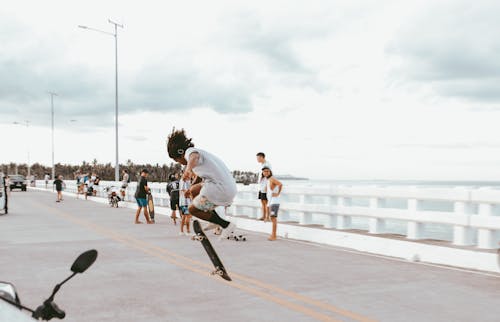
(432, 231)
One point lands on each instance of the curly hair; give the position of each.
(178, 143)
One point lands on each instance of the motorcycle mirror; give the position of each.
(84, 261)
(8, 292)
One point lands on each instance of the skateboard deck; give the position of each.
(200, 236)
(151, 207)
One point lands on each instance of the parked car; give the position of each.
(17, 181)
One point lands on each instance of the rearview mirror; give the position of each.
(8, 292)
(84, 261)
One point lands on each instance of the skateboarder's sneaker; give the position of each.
(228, 231)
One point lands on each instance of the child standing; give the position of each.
(184, 203)
(59, 186)
(173, 192)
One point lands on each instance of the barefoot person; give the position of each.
(218, 187)
(184, 202)
(274, 187)
(141, 197)
(173, 192)
(59, 187)
(262, 181)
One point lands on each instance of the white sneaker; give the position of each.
(181, 233)
(228, 231)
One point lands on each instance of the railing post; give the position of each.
(305, 218)
(414, 228)
(462, 235)
(344, 221)
(485, 237)
(377, 225)
(331, 219)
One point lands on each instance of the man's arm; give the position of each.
(194, 158)
(278, 183)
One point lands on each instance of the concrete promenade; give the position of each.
(150, 273)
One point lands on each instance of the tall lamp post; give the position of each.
(52, 94)
(27, 123)
(115, 34)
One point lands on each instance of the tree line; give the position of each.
(157, 172)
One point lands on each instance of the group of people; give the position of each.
(87, 184)
(269, 193)
(206, 184)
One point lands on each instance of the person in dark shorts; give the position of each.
(59, 187)
(173, 192)
(141, 197)
(262, 182)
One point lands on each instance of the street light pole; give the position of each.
(115, 34)
(117, 164)
(52, 94)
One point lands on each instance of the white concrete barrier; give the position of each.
(471, 216)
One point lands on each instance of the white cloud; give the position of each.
(335, 89)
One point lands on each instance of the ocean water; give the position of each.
(432, 231)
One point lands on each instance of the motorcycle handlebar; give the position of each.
(48, 310)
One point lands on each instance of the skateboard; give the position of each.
(151, 207)
(200, 236)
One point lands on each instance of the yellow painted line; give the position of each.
(248, 289)
(153, 249)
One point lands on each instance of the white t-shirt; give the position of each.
(183, 187)
(219, 185)
(263, 180)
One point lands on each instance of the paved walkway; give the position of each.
(150, 273)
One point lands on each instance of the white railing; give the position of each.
(464, 216)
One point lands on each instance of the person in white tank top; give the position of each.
(274, 187)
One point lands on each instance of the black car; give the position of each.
(17, 182)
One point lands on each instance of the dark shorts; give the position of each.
(174, 203)
(184, 210)
(141, 202)
(273, 210)
(262, 196)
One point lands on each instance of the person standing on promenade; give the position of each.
(141, 197)
(78, 183)
(173, 192)
(59, 186)
(274, 187)
(218, 187)
(125, 182)
(262, 181)
(184, 203)
(47, 178)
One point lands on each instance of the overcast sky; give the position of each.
(327, 89)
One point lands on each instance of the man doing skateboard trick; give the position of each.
(218, 187)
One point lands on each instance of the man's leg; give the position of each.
(188, 221)
(146, 214)
(137, 213)
(275, 225)
(263, 204)
(208, 215)
(273, 209)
